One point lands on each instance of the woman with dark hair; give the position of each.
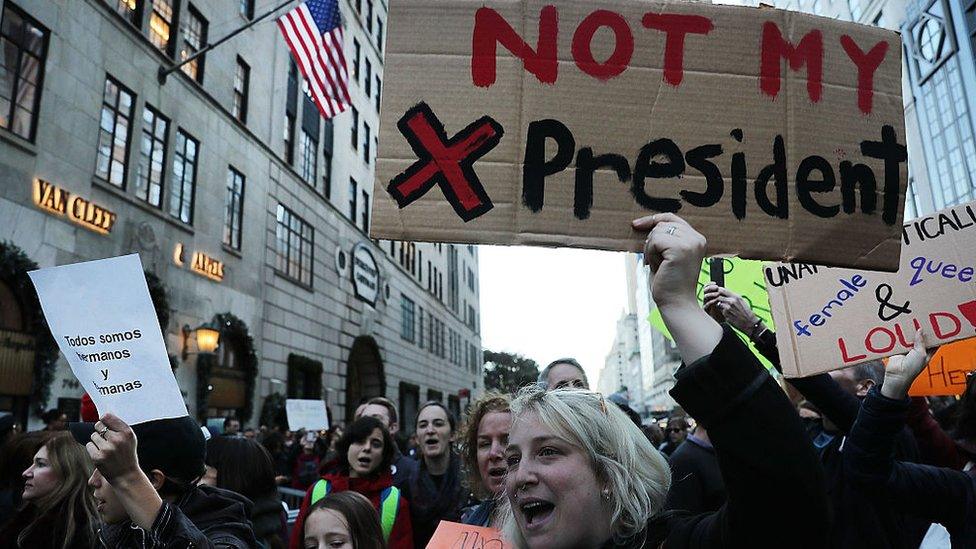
(58, 510)
(242, 465)
(436, 493)
(16, 455)
(362, 464)
(343, 520)
(483, 441)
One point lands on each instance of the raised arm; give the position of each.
(938, 494)
(773, 478)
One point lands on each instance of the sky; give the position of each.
(549, 303)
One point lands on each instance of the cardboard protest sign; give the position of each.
(774, 133)
(306, 414)
(103, 319)
(453, 535)
(743, 277)
(832, 318)
(945, 374)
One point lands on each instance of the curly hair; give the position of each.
(488, 403)
(636, 474)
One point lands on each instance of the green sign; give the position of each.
(742, 276)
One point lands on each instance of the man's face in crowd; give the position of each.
(677, 432)
(233, 427)
(565, 375)
(381, 413)
(109, 508)
(59, 424)
(849, 382)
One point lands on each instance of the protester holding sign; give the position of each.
(365, 453)
(484, 438)
(146, 494)
(58, 511)
(938, 494)
(581, 474)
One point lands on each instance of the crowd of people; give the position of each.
(843, 459)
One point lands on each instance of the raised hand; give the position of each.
(733, 308)
(903, 369)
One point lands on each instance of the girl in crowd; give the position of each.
(58, 511)
(582, 475)
(242, 465)
(16, 455)
(436, 493)
(343, 520)
(365, 453)
(484, 438)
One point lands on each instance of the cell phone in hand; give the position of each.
(716, 271)
(310, 436)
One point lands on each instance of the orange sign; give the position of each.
(452, 535)
(946, 372)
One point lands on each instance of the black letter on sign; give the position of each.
(853, 174)
(893, 153)
(776, 170)
(448, 163)
(804, 186)
(714, 185)
(535, 168)
(644, 167)
(586, 164)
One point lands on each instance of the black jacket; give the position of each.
(937, 494)
(859, 521)
(696, 480)
(204, 517)
(776, 495)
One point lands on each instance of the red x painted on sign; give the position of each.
(448, 163)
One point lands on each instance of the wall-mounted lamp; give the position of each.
(207, 335)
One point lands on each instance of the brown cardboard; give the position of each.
(863, 315)
(430, 60)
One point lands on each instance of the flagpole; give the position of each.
(165, 71)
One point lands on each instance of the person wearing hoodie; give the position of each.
(364, 455)
(146, 494)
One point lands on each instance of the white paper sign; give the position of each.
(103, 319)
(306, 414)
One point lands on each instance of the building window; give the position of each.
(247, 9)
(407, 321)
(379, 33)
(355, 128)
(184, 177)
(291, 112)
(194, 39)
(160, 23)
(242, 77)
(113, 136)
(357, 50)
(420, 327)
(23, 46)
(365, 212)
(152, 156)
(233, 208)
(308, 151)
(470, 279)
(366, 143)
(378, 87)
(353, 189)
(856, 10)
(368, 79)
(130, 10)
(369, 16)
(409, 403)
(294, 239)
(327, 175)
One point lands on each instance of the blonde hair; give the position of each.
(488, 403)
(70, 500)
(636, 474)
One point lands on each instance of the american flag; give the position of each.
(313, 32)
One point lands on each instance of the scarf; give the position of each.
(430, 503)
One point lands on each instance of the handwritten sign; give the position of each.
(832, 318)
(774, 133)
(743, 277)
(453, 535)
(946, 373)
(306, 414)
(103, 319)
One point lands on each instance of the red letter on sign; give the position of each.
(676, 26)
(809, 52)
(623, 48)
(491, 29)
(866, 64)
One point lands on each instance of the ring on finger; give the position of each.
(671, 230)
(102, 432)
